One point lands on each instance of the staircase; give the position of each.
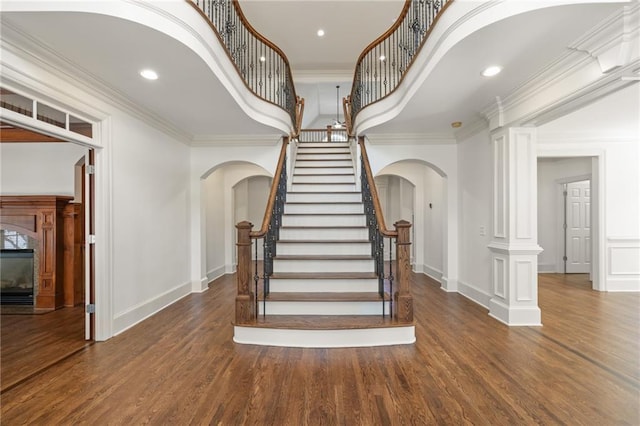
(324, 291)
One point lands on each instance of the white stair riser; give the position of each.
(327, 156)
(324, 163)
(322, 171)
(327, 187)
(321, 265)
(323, 234)
(324, 150)
(301, 285)
(324, 308)
(324, 249)
(332, 197)
(343, 338)
(323, 220)
(327, 208)
(324, 179)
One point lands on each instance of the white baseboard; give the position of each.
(229, 269)
(628, 284)
(433, 273)
(474, 294)
(136, 314)
(549, 268)
(216, 273)
(514, 315)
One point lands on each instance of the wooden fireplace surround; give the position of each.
(51, 220)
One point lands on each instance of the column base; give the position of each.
(515, 315)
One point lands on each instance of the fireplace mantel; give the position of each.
(42, 217)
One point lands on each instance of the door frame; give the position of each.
(560, 212)
(598, 195)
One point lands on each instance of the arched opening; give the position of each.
(231, 192)
(417, 191)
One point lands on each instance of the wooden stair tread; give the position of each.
(326, 297)
(322, 257)
(322, 202)
(323, 275)
(323, 241)
(323, 193)
(326, 322)
(323, 174)
(323, 214)
(332, 226)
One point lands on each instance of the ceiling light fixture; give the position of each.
(149, 74)
(491, 71)
(320, 33)
(262, 59)
(383, 58)
(337, 124)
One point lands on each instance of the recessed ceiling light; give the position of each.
(456, 124)
(149, 74)
(320, 33)
(382, 57)
(262, 59)
(491, 71)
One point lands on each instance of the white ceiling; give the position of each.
(188, 95)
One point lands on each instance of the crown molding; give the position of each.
(410, 139)
(202, 141)
(32, 50)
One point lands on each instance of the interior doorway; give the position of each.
(36, 165)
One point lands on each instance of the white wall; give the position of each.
(213, 187)
(608, 130)
(475, 179)
(434, 226)
(39, 168)
(551, 174)
(150, 199)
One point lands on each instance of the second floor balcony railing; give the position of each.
(263, 66)
(383, 64)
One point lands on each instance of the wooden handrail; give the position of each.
(374, 193)
(243, 20)
(274, 190)
(379, 41)
(386, 34)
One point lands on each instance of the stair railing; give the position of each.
(329, 134)
(384, 63)
(261, 64)
(247, 298)
(402, 298)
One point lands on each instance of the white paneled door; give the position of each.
(578, 227)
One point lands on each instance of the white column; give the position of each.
(514, 245)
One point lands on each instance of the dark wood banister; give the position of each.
(374, 193)
(403, 299)
(267, 42)
(386, 34)
(376, 42)
(268, 211)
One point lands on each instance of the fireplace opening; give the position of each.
(16, 276)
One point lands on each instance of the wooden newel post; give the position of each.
(245, 299)
(403, 298)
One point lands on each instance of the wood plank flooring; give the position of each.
(182, 367)
(31, 343)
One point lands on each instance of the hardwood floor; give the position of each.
(182, 367)
(31, 343)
